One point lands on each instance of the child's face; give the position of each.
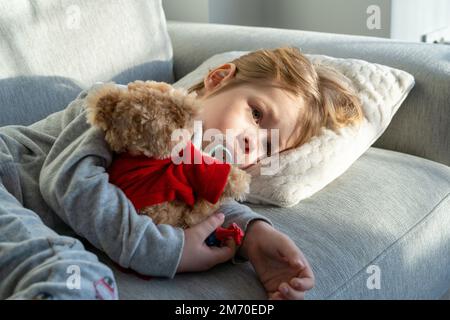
(246, 109)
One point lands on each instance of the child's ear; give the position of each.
(219, 75)
(101, 103)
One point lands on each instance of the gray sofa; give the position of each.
(390, 212)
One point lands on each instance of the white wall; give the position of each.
(336, 16)
(412, 18)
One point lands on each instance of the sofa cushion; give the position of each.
(50, 50)
(389, 211)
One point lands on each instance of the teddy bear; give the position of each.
(138, 121)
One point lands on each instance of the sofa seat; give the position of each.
(390, 212)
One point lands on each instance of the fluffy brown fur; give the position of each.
(140, 120)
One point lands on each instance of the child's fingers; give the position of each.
(231, 244)
(206, 227)
(220, 255)
(290, 251)
(290, 293)
(305, 280)
(307, 275)
(291, 254)
(302, 284)
(276, 296)
(296, 263)
(305, 272)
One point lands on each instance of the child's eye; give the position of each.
(257, 115)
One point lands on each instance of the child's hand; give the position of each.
(278, 262)
(197, 256)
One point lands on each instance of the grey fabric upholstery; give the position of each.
(389, 209)
(50, 50)
(420, 127)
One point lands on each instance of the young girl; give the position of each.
(53, 185)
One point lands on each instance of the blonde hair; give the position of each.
(329, 99)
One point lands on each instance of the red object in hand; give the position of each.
(232, 232)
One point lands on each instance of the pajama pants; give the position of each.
(38, 263)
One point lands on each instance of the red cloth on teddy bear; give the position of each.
(148, 181)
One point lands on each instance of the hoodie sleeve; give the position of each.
(75, 184)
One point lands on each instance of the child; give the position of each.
(53, 185)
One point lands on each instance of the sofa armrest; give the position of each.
(421, 125)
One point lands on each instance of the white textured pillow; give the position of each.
(307, 169)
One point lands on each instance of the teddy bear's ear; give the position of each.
(101, 102)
